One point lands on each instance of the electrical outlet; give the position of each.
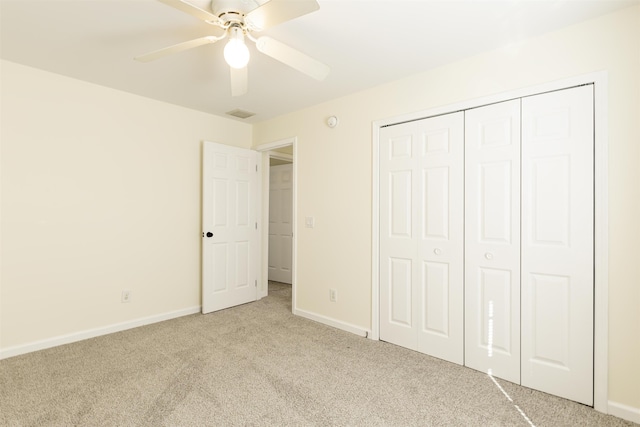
(126, 296)
(333, 295)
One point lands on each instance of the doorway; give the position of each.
(276, 154)
(280, 216)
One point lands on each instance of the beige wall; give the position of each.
(100, 193)
(335, 184)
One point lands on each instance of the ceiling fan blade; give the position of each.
(190, 9)
(292, 57)
(151, 56)
(276, 12)
(239, 79)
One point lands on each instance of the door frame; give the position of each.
(265, 149)
(601, 210)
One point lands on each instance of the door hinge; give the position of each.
(256, 225)
(256, 168)
(256, 283)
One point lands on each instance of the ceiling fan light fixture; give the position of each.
(236, 52)
(238, 19)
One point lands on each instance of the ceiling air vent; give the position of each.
(241, 114)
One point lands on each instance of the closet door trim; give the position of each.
(601, 235)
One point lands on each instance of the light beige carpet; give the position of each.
(259, 365)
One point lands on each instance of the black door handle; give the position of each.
(209, 234)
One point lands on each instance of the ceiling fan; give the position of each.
(240, 19)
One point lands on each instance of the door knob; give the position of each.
(209, 234)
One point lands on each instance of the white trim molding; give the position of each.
(280, 156)
(625, 412)
(601, 236)
(276, 144)
(338, 324)
(92, 333)
(267, 152)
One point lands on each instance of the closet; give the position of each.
(486, 238)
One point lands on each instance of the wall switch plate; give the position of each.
(333, 295)
(126, 296)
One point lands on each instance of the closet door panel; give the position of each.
(495, 287)
(492, 239)
(398, 235)
(421, 236)
(557, 243)
(440, 237)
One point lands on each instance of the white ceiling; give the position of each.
(365, 42)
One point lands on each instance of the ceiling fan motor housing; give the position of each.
(233, 10)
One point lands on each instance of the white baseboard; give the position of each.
(92, 333)
(625, 412)
(332, 322)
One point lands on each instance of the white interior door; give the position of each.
(280, 222)
(398, 235)
(492, 241)
(557, 243)
(230, 250)
(440, 151)
(421, 229)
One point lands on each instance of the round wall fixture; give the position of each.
(332, 121)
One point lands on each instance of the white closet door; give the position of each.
(557, 243)
(421, 236)
(441, 237)
(492, 249)
(398, 235)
